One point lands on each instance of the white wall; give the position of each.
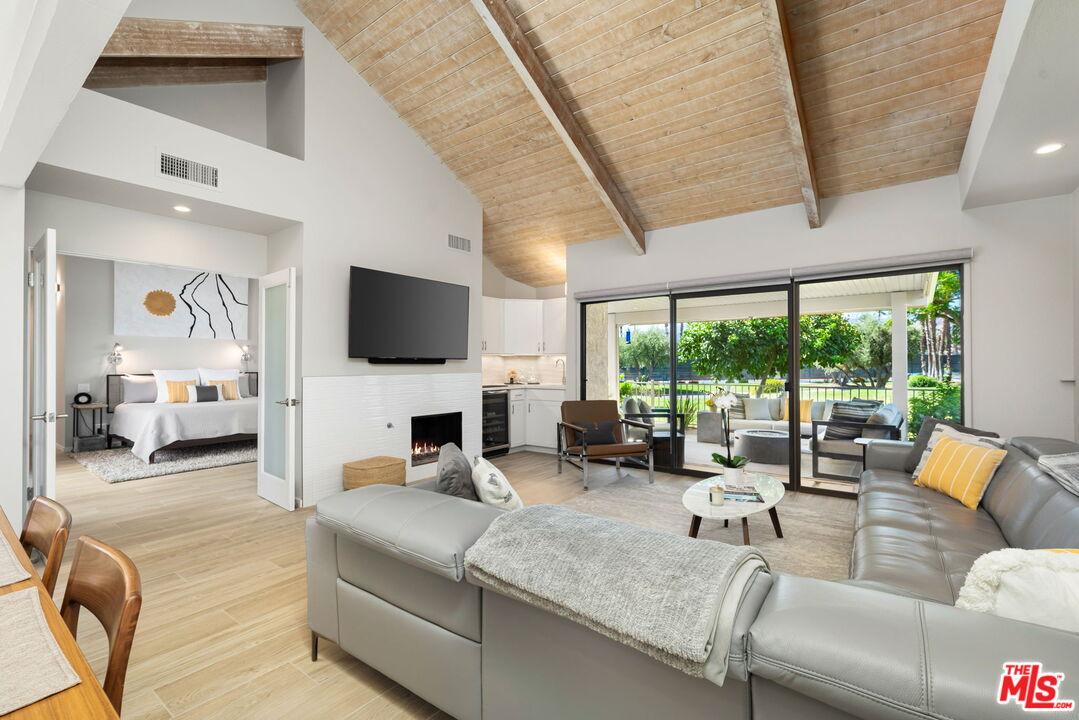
(86, 228)
(495, 284)
(86, 315)
(1020, 308)
(236, 109)
(12, 263)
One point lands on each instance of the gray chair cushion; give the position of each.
(926, 431)
(429, 530)
(915, 541)
(885, 415)
(851, 411)
(454, 473)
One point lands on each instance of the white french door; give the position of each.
(277, 394)
(41, 368)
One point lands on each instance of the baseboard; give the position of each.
(533, 448)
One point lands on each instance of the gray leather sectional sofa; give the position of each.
(387, 582)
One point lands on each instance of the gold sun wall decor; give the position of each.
(161, 303)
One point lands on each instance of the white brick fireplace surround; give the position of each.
(357, 416)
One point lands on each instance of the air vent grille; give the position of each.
(180, 168)
(460, 243)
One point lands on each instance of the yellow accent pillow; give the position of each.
(177, 390)
(960, 470)
(1062, 550)
(805, 412)
(230, 389)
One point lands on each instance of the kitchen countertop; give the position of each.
(522, 386)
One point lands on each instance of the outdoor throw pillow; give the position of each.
(922, 441)
(757, 408)
(1036, 586)
(597, 433)
(942, 430)
(805, 413)
(960, 470)
(852, 411)
(454, 473)
(738, 410)
(493, 487)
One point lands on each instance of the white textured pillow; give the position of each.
(206, 376)
(163, 376)
(493, 487)
(1036, 586)
(941, 430)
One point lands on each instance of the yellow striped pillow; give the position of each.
(230, 389)
(177, 390)
(960, 470)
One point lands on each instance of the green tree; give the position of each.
(646, 351)
(756, 349)
(940, 322)
(870, 359)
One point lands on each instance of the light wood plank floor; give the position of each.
(223, 630)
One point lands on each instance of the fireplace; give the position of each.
(431, 432)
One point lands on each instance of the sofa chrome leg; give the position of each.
(314, 646)
(651, 469)
(584, 471)
(618, 465)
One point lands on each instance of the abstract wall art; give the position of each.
(152, 300)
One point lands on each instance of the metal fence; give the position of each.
(691, 396)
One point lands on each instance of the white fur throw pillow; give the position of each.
(1036, 586)
(493, 487)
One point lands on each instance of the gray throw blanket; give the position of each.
(1064, 469)
(671, 597)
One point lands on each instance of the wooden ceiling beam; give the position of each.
(153, 38)
(522, 56)
(779, 40)
(115, 72)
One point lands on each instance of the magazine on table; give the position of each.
(742, 492)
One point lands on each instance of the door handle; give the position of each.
(287, 402)
(48, 417)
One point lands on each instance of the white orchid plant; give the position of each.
(723, 401)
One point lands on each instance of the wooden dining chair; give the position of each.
(45, 530)
(105, 581)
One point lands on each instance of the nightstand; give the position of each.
(97, 420)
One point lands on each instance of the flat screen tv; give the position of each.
(398, 318)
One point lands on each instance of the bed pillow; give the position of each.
(138, 388)
(177, 390)
(163, 376)
(203, 393)
(206, 375)
(229, 388)
(245, 385)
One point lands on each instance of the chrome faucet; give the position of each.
(560, 360)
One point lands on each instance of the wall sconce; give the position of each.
(245, 355)
(116, 356)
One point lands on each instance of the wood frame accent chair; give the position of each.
(573, 446)
(46, 529)
(105, 582)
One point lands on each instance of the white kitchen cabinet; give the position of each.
(493, 325)
(543, 418)
(554, 326)
(518, 421)
(523, 327)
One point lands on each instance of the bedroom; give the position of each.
(125, 331)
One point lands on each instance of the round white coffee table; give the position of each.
(695, 500)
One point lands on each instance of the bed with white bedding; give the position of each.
(150, 427)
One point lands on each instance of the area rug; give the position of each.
(120, 465)
(817, 529)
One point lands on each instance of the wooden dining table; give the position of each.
(86, 701)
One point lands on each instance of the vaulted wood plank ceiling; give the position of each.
(679, 98)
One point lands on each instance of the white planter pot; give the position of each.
(733, 475)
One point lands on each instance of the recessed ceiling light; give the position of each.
(181, 208)
(1049, 148)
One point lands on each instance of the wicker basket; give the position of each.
(380, 470)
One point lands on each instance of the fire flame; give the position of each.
(424, 448)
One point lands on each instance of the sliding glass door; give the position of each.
(817, 367)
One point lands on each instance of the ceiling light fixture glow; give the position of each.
(1049, 148)
(181, 208)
